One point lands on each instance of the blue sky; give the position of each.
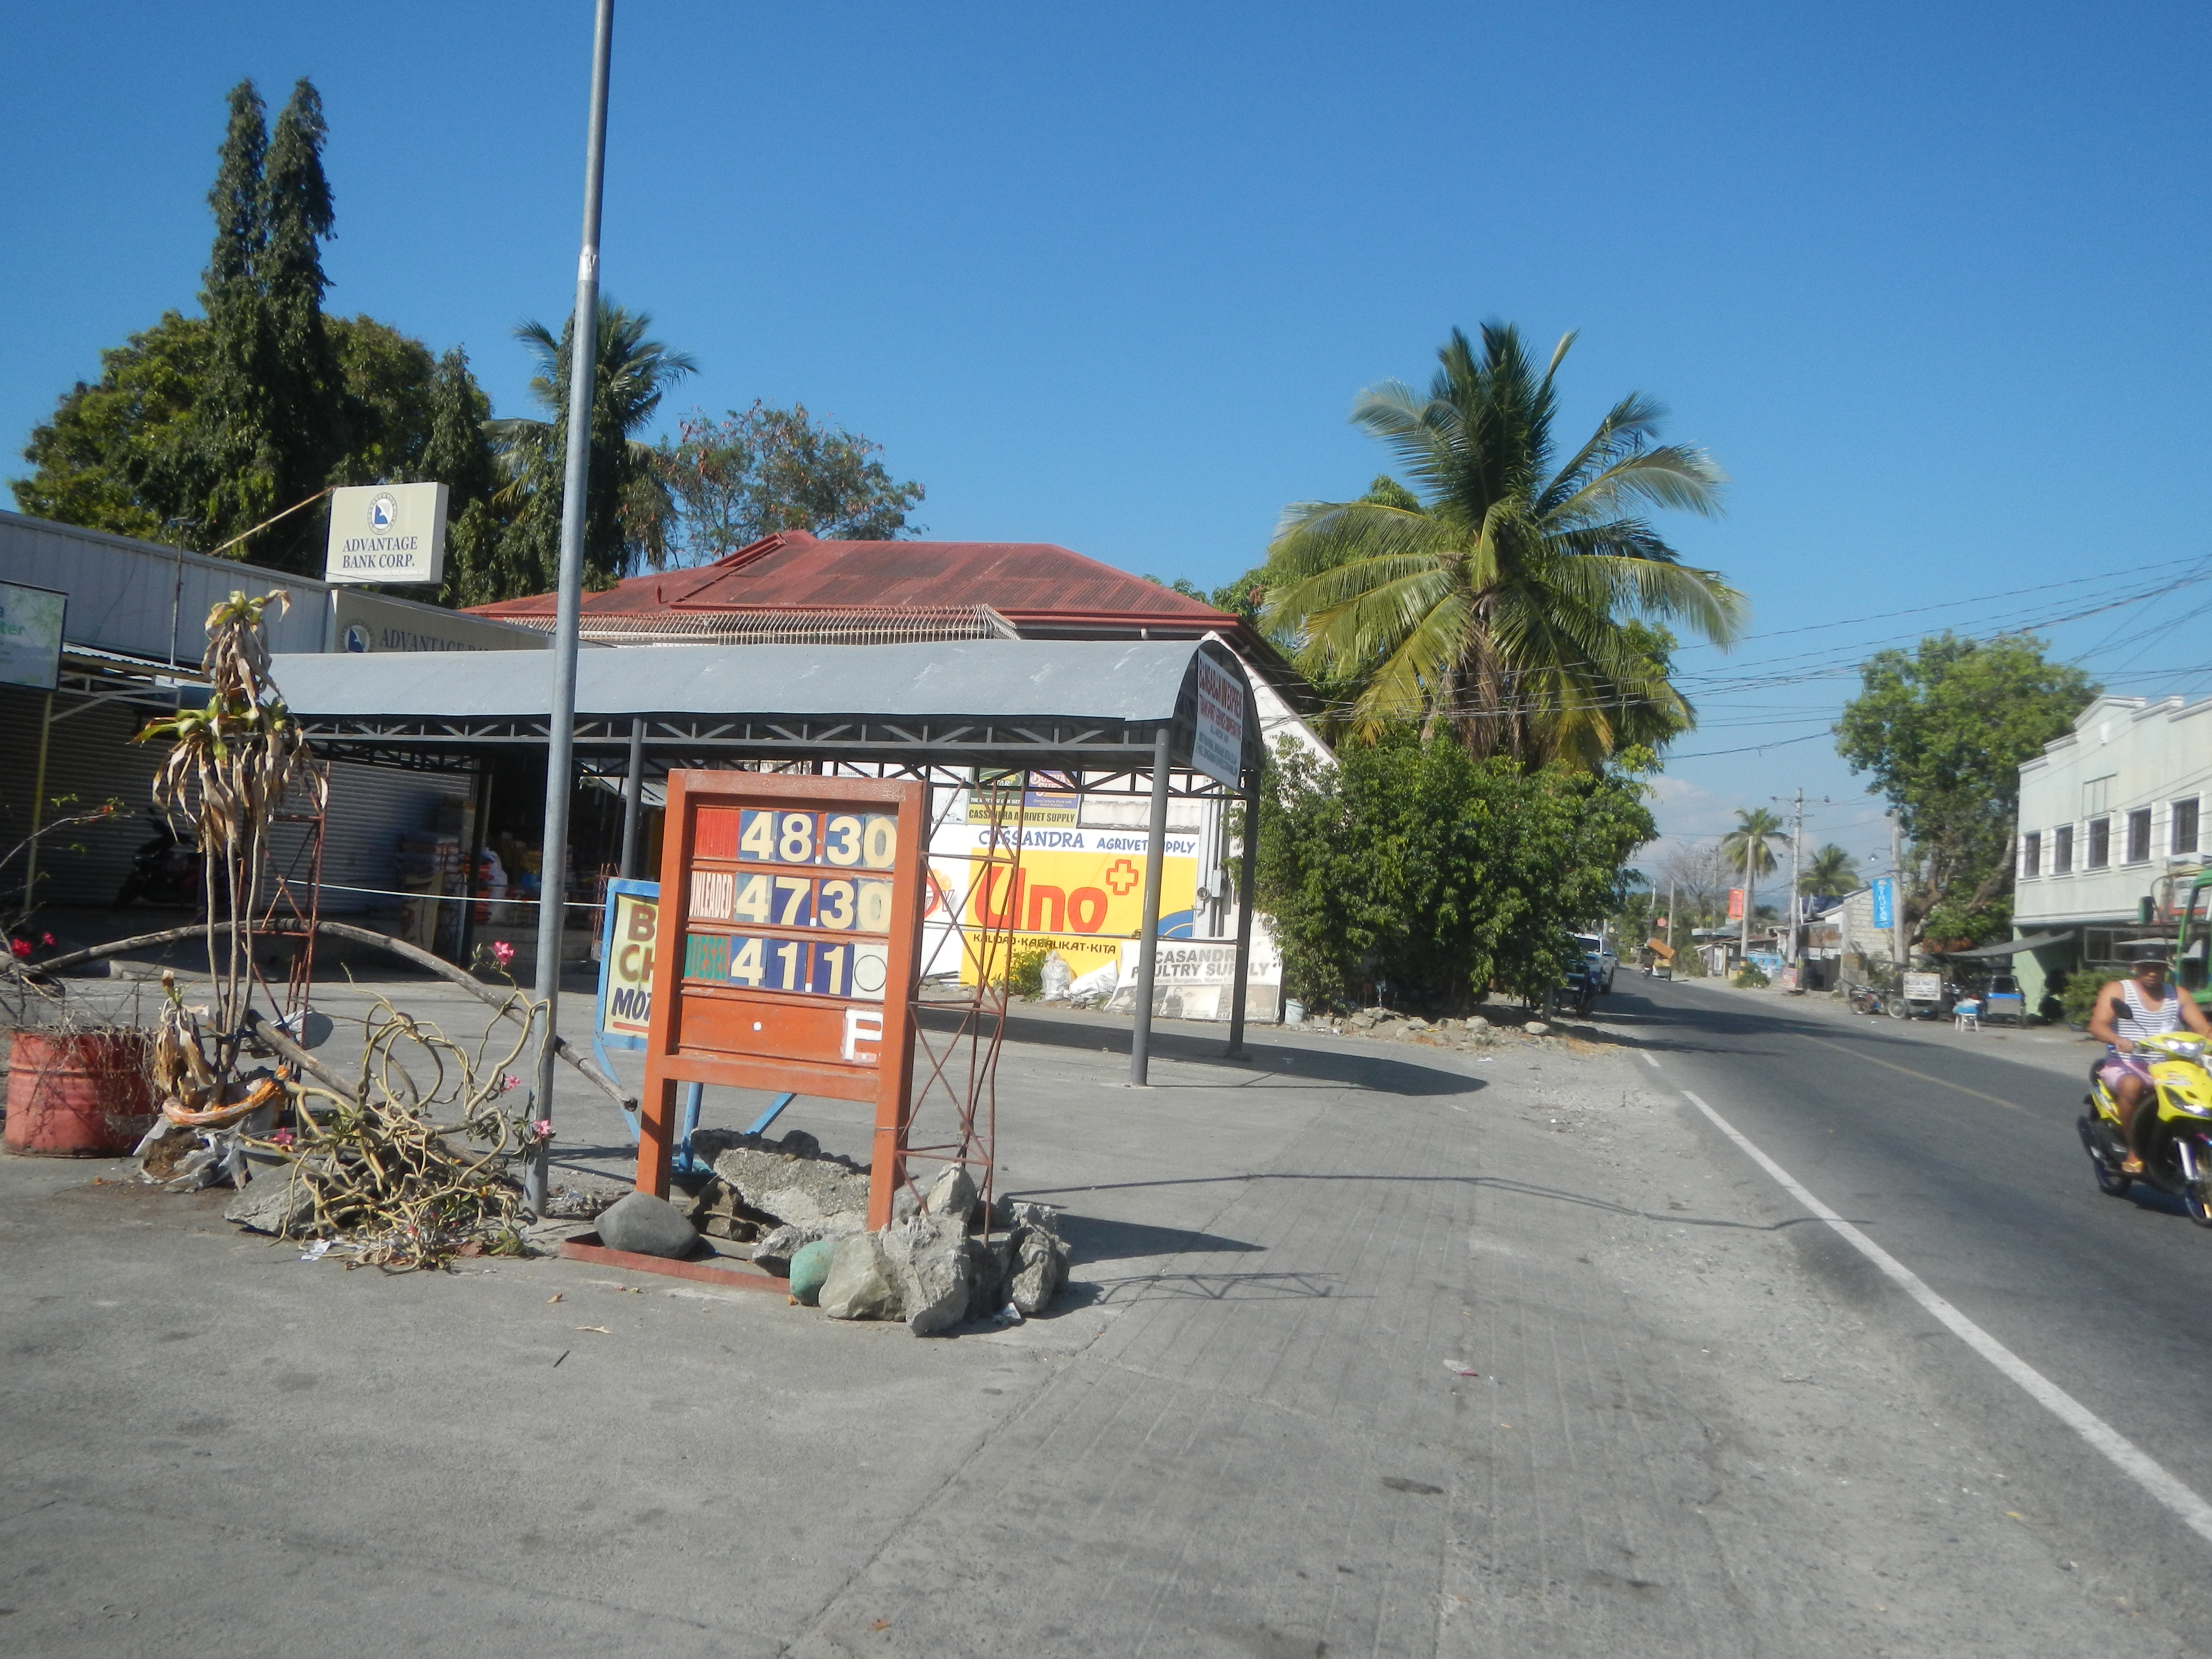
(1927, 280)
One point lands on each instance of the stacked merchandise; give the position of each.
(431, 864)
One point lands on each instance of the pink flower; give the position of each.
(503, 953)
(22, 947)
(46, 939)
(281, 1138)
(543, 1129)
(510, 1081)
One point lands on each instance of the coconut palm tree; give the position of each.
(1750, 848)
(1829, 873)
(627, 505)
(1506, 597)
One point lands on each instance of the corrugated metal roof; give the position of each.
(907, 624)
(1001, 679)
(793, 568)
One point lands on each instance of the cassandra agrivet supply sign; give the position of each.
(387, 533)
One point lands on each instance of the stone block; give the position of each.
(860, 1284)
(646, 1226)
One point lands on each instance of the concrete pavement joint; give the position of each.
(2130, 1458)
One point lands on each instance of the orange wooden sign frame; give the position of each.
(719, 1014)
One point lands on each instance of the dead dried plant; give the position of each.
(227, 773)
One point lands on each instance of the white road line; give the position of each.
(2132, 1460)
(1651, 1059)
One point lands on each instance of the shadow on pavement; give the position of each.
(1270, 1064)
(1495, 1183)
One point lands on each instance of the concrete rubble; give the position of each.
(1477, 1034)
(789, 1180)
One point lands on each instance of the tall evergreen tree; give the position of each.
(199, 428)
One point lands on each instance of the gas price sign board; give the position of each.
(790, 918)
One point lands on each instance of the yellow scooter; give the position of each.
(2180, 1155)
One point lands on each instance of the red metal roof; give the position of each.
(1032, 584)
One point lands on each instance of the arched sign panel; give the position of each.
(790, 916)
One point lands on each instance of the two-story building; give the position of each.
(2109, 815)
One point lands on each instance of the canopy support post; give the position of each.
(1155, 850)
(633, 799)
(1248, 866)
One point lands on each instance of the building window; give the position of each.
(2100, 844)
(2062, 850)
(2184, 826)
(2097, 796)
(2139, 836)
(2031, 855)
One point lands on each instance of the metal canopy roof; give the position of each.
(1094, 707)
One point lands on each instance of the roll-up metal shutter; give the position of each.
(89, 755)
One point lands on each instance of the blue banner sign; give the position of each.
(1885, 902)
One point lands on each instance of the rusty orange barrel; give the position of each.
(77, 1094)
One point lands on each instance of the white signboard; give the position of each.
(1194, 978)
(31, 635)
(387, 533)
(1218, 746)
(1924, 988)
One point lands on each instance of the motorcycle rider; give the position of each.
(2127, 1010)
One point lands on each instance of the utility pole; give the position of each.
(1752, 845)
(1670, 925)
(1897, 929)
(561, 731)
(1796, 869)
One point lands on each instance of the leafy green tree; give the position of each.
(201, 427)
(627, 503)
(753, 474)
(1942, 729)
(1829, 873)
(1496, 603)
(111, 459)
(1439, 874)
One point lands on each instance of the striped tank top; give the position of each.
(2135, 1022)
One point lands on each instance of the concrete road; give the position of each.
(1371, 1348)
(1957, 1153)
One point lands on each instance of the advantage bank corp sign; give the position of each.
(387, 533)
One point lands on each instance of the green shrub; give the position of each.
(1445, 876)
(2080, 995)
(1025, 975)
(1750, 977)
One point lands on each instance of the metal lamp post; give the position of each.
(560, 738)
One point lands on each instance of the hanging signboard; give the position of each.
(1217, 747)
(1735, 904)
(386, 534)
(1884, 897)
(31, 635)
(786, 938)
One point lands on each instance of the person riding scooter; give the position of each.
(2127, 1010)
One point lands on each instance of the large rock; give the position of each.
(827, 1195)
(809, 1270)
(953, 1195)
(860, 1284)
(646, 1226)
(990, 1261)
(1039, 1269)
(776, 1251)
(929, 1256)
(277, 1201)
